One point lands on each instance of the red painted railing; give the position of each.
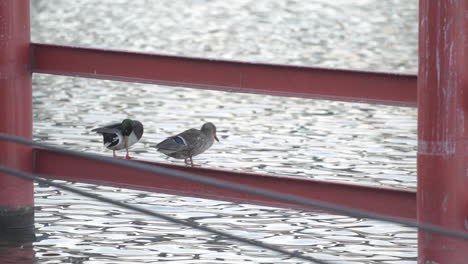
(234, 76)
(16, 195)
(400, 203)
(441, 90)
(230, 76)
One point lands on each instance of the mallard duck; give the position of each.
(122, 135)
(189, 143)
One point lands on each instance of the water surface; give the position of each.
(333, 141)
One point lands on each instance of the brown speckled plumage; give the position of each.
(189, 143)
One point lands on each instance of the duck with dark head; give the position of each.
(121, 135)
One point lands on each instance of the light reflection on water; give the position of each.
(344, 142)
(290, 136)
(72, 227)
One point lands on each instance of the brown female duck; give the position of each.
(189, 143)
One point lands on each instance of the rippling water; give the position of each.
(341, 142)
(81, 229)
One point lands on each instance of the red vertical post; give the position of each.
(16, 195)
(443, 128)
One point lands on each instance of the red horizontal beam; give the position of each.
(391, 202)
(231, 76)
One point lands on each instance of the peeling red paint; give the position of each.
(15, 101)
(442, 134)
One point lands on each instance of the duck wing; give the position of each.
(110, 128)
(183, 142)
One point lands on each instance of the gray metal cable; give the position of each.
(256, 243)
(247, 189)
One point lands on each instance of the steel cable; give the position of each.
(247, 189)
(194, 225)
